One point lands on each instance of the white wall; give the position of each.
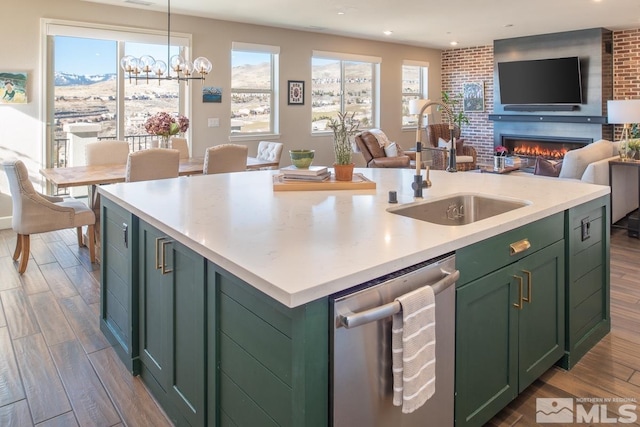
(21, 130)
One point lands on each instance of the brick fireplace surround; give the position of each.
(475, 64)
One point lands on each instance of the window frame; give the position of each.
(49, 28)
(423, 91)
(274, 52)
(342, 58)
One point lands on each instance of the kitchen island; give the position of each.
(215, 287)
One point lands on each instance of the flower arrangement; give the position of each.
(164, 124)
(343, 127)
(500, 150)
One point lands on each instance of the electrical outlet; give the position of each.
(213, 123)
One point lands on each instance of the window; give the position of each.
(88, 90)
(343, 83)
(253, 88)
(414, 86)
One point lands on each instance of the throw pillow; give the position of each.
(391, 150)
(545, 167)
(445, 144)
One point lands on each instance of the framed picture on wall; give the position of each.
(296, 92)
(473, 96)
(13, 87)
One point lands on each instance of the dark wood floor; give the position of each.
(57, 369)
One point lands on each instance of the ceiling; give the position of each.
(433, 24)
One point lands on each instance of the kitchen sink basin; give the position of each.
(460, 209)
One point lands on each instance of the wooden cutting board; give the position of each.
(359, 182)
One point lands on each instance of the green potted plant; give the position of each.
(454, 102)
(344, 127)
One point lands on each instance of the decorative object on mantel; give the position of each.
(165, 125)
(344, 128)
(624, 112)
(499, 158)
(147, 68)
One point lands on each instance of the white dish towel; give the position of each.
(413, 344)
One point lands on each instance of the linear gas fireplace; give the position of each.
(548, 147)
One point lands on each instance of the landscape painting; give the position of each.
(211, 94)
(13, 88)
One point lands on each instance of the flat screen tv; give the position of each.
(543, 81)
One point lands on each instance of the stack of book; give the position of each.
(313, 173)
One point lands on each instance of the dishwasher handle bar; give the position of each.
(386, 310)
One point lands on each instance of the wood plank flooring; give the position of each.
(57, 369)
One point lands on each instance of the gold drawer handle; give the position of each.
(520, 297)
(163, 244)
(530, 280)
(519, 247)
(158, 240)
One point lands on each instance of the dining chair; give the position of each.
(153, 163)
(270, 151)
(38, 213)
(106, 152)
(182, 146)
(225, 158)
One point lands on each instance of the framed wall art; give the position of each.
(473, 96)
(296, 92)
(13, 87)
(211, 94)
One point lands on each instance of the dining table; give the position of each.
(78, 176)
(94, 175)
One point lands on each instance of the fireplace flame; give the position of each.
(536, 150)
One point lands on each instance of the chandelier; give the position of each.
(148, 68)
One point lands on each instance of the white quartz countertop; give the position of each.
(298, 246)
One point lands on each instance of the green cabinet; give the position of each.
(271, 362)
(588, 276)
(173, 325)
(510, 321)
(119, 291)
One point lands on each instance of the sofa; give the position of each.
(591, 164)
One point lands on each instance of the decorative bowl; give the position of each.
(301, 159)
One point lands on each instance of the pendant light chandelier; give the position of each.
(148, 68)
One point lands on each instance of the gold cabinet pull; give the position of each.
(519, 246)
(530, 282)
(164, 269)
(521, 286)
(158, 264)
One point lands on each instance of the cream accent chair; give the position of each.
(225, 158)
(270, 151)
(37, 213)
(107, 152)
(154, 163)
(182, 146)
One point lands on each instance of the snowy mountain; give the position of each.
(67, 79)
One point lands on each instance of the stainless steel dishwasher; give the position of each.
(361, 349)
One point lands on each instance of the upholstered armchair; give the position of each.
(438, 137)
(38, 213)
(374, 153)
(153, 163)
(270, 151)
(225, 158)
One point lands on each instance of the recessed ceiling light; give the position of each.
(508, 25)
(387, 32)
(453, 43)
(340, 13)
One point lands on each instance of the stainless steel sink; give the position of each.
(460, 209)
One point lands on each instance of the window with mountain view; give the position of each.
(414, 84)
(341, 85)
(253, 82)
